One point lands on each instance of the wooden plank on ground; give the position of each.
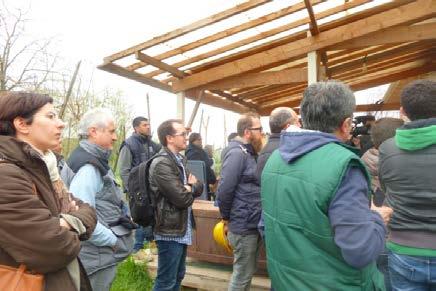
(209, 276)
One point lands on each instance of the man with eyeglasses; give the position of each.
(174, 190)
(238, 198)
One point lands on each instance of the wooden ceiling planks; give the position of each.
(364, 48)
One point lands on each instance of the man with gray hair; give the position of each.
(280, 119)
(90, 179)
(320, 231)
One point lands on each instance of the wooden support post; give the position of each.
(194, 111)
(312, 68)
(148, 108)
(181, 106)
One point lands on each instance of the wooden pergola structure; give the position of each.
(261, 54)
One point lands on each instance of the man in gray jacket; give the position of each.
(93, 181)
(238, 198)
(407, 175)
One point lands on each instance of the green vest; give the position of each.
(301, 252)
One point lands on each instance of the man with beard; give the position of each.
(136, 149)
(238, 198)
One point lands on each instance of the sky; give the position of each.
(90, 30)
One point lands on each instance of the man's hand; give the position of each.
(192, 179)
(73, 206)
(384, 211)
(226, 227)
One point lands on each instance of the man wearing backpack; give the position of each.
(174, 190)
(238, 198)
(134, 150)
(91, 179)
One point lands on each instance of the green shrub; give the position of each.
(132, 276)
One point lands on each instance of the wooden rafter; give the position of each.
(159, 64)
(378, 44)
(419, 10)
(266, 34)
(299, 35)
(288, 76)
(392, 35)
(226, 33)
(186, 29)
(116, 69)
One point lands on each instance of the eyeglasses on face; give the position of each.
(256, 128)
(184, 134)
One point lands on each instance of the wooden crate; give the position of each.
(203, 245)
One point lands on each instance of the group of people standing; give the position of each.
(330, 220)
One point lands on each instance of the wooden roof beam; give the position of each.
(392, 35)
(416, 11)
(115, 69)
(302, 34)
(229, 32)
(186, 29)
(230, 97)
(392, 75)
(211, 100)
(159, 64)
(288, 76)
(376, 57)
(269, 33)
(314, 30)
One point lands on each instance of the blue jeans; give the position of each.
(171, 265)
(412, 273)
(382, 265)
(142, 234)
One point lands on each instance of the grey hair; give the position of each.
(326, 105)
(97, 117)
(279, 118)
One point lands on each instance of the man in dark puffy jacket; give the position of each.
(407, 174)
(238, 198)
(174, 191)
(134, 150)
(195, 152)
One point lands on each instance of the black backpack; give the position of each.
(141, 201)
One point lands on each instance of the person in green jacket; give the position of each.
(320, 231)
(407, 174)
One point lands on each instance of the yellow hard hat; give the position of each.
(220, 237)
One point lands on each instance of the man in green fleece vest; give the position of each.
(407, 174)
(320, 231)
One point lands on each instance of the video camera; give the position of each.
(362, 125)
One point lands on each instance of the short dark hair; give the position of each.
(383, 129)
(418, 99)
(193, 137)
(232, 136)
(19, 104)
(246, 122)
(137, 121)
(167, 128)
(326, 105)
(279, 118)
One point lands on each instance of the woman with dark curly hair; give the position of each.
(38, 228)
